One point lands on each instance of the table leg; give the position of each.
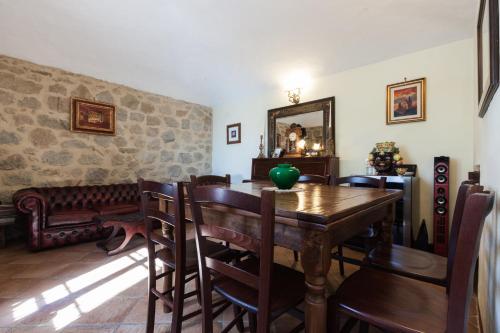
(2, 237)
(387, 224)
(316, 261)
(103, 244)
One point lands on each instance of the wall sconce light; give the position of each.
(316, 146)
(294, 96)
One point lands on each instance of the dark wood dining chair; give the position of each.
(419, 264)
(178, 255)
(211, 180)
(311, 179)
(207, 180)
(367, 239)
(396, 303)
(314, 179)
(257, 285)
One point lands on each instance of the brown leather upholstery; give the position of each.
(125, 208)
(64, 215)
(70, 216)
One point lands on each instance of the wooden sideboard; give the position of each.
(407, 208)
(323, 166)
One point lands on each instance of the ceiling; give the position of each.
(203, 50)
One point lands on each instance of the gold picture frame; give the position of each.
(92, 117)
(406, 102)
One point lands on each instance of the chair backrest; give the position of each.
(361, 181)
(211, 180)
(314, 179)
(477, 207)
(465, 189)
(263, 247)
(152, 195)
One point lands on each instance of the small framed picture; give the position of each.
(92, 117)
(278, 152)
(406, 102)
(233, 133)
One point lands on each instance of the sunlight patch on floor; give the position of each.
(24, 308)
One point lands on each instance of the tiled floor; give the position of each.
(80, 289)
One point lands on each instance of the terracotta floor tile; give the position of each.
(33, 329)
(124, 312)
(49, 257)
(38, 271)
(113, 311)
(19, 288)
(89, 329)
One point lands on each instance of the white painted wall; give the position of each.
(486, 154)
(360, 117)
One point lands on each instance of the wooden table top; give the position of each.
(322, 204)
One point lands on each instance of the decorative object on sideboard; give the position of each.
(294, 96)
(278, 152)
(284, 176)
(406, 102)
(385, 158)
(92, 117)
(488, 58)
(315, 150)
(233, 133)
(441, 204)
(261, 147)
(295, 143)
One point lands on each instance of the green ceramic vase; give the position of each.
(284, 176)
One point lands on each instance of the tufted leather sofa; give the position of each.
(58, 216)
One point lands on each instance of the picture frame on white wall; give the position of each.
(233, 133)
(487, 54)
(406, 102)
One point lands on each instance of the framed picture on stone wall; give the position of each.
(92, 117)
(233, 133)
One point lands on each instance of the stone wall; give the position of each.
(157, 137)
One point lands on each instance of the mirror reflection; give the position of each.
(300, 134)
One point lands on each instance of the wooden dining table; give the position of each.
(313, 220)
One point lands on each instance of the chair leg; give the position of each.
(150, 325)
(341, 260)
(167, 284)
(252, 322)
(363, 327)
(198, 289)
(333, 322)
(178, 302)
(239, 324)
(295, 256)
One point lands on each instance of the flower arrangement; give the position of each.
(385, 158)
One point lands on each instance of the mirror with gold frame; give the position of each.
(302, 130)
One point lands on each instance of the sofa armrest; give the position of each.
(34, 206)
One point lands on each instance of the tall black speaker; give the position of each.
(441, 204)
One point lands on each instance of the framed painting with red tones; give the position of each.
(92, 117)
(406, 102)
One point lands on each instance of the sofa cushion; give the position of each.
(120, 208)
(70, 216)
